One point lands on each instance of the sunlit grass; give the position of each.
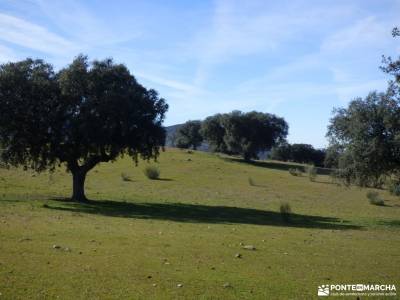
(140, 238)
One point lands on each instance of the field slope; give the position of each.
(141, 238)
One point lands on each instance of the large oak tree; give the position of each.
(84, 114)
(246, 134)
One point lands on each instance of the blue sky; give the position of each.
(297, 59)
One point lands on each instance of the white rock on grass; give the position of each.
(249, 247)
(179, 285)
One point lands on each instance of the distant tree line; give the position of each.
(238, 133)
(300, 153)
(247, 134)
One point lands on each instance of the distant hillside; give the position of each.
(171, 130)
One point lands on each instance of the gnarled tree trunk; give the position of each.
(79, 175)
(78, 185)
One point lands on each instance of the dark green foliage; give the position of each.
(83, 115)
(368, 133)
(305, 153)
(212, 129)
(188, 135)
(28, 99)
(245, 134)
(152, 172)
(332, 155)
(301, 153)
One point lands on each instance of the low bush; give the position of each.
(285, 211)
(251, 181)
(295, 172)
(374, 199)
(312, 172)
(125, 177)
(394, 187)
(152, 172)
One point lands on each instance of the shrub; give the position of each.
(312, 172)
(125, 177)
(251, 181)
(295, 172)
(51, 178)
(374, 198)
(152, 172)
(285, 211)
(394, 187)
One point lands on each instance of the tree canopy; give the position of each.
(245, 134)
(188, 135)
(332, 156)
(367, 132)
(84, 114)
(212, 130)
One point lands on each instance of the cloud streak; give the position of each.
(29, 35)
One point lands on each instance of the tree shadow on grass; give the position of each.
(195, 213)
(391, 223)
(264, 164)
(282, 166)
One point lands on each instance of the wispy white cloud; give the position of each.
(367, 32)
(241, 29)
(29, 35)
(170, 83)
(65, 28)
(80, 24)
(367, 35)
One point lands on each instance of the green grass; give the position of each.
(186, 228)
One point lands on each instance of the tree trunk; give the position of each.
(78, 186)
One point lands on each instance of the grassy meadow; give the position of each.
(178, 237)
